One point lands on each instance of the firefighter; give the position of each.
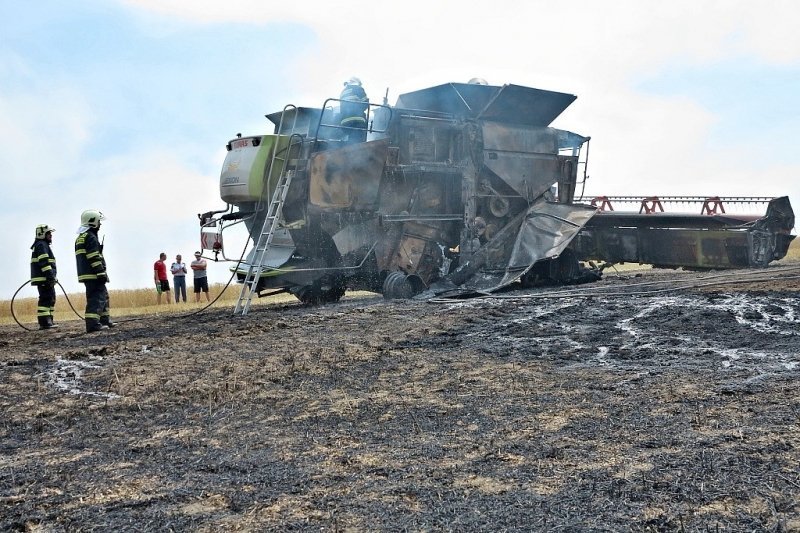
(43, 275)
(353, 111)
(92, 271)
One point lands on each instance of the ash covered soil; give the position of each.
(624, 405)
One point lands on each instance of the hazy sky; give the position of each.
(126, 105)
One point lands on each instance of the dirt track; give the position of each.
(668, 411)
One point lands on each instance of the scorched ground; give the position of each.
(629, 406)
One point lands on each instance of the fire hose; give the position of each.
(186, 315)
(21, 287)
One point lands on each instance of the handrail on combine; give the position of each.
(370, 127)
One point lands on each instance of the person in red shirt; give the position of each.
(160, 277)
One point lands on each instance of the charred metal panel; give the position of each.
(512, 104)
(515, 104)
(504, 137)
(526, 158)
(417, 251)
(666, 247)
(547, 229)
(669, 220)
(779, 217)
(697, 241)
(426, 140)
(568, 140)
(459, 99)
(356, 237)
(771, 235)
(529, 175)
(693, 248)
(568, 179)
(348, 178)
(672, 247)
(544, 231)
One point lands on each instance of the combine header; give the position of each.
(708, 238)
(458, 187)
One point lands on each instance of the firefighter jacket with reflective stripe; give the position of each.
(89, 257)
(353, 106)
(43, 263)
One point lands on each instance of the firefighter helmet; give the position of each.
(92, 218)
(353, 81)
(478, 81)
(42, 230)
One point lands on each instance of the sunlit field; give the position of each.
(794, 252)
(143, 301)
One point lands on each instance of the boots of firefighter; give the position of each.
(106, 321)
(93, 324)
(51, 323)
(44, 322)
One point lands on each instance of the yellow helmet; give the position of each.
(42, 230)
(92, 218)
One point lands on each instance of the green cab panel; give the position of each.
(245, 167)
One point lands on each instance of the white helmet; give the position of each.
(353, 81)
(478, 81)
(42, 230)
(92, 218)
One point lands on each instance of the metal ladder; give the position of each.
(271, 220)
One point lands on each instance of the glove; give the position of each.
(102, 276)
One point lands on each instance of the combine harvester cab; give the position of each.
(458, 187)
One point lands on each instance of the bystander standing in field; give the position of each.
(160, 277)
(178, 270)
(199, 267)
(43, 275)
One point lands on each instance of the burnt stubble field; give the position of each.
(623, 410)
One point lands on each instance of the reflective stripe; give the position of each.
(89, 257)
(91, 315)
(38, 279)
(348, 120)
(47, 268)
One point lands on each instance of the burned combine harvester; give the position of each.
(458, 187)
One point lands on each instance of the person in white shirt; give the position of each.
(199, 266)
(178, 270)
